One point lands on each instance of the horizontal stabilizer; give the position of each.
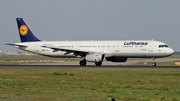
(11, 44)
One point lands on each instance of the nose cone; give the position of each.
(170, 51)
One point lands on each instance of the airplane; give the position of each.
(91, 51)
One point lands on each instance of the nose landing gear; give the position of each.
(153, 63)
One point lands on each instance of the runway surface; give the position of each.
(129, 65)
(105, 67)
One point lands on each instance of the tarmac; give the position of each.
(129, 65)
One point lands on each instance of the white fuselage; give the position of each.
(129, 48)
(91, 51)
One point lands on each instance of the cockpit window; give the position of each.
(160, 46)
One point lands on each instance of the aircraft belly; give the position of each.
(140, 55)
(134, 55)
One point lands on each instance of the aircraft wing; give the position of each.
(76, 52)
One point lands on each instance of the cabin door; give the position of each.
(150, 48)
(117, 48)
(36, 49)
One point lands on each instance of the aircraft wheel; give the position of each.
(98, 63)
(82, 63)
(153, 64)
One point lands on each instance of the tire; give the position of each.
(82, 63)
(153, 64)
(98, 63)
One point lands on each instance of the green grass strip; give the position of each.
(89, 85)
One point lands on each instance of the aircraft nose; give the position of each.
(170, 51)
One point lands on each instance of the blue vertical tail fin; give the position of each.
(24, 31)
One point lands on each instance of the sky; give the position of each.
(58, 20)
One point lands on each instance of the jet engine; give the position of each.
(94, 57)
(116, 59)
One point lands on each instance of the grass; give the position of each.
(90, 85)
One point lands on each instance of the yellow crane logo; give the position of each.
(23, 30)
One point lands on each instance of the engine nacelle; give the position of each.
(95, 57)
(116, 59)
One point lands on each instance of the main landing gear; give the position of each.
(83, 63)
(98, 63)
(153, 63)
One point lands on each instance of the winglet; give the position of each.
(24, 31)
